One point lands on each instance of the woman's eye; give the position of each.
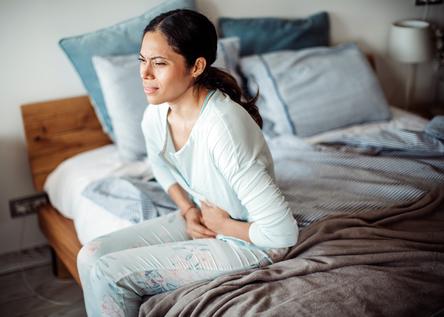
(141, 60)
(159, 63)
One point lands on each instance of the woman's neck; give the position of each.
(188, 106)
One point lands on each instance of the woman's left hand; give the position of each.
(213, 216)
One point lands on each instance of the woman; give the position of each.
(207, 151)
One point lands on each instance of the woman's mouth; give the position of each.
(150, 90)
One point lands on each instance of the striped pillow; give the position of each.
(315, 90)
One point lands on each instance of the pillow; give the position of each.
(126, 102)
(118, 39)
(262, 35)
(315, 90)
(228, 56)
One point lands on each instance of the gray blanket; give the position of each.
(384, 263)
(371, 244)
(318, 184)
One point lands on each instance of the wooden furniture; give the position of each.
(427, 111)
(57, 130)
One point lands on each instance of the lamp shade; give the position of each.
(410, 41)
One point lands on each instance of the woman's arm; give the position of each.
(193, 216)
(180, 197)
(220, 222)
(242, 156)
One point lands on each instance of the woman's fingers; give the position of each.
(197, 230)
(196, 227)
(204, 230)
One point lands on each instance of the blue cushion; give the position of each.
(262, 35)
(118, 39)
(315, 90)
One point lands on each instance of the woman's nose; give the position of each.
(146, 72)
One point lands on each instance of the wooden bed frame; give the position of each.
(55, 131)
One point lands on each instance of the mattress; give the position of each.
(66, 183)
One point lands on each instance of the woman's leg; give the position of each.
(169, 228)
(119, 280)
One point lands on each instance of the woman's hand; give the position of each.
(213, 217)
(195, 225)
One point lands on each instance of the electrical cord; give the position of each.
(25, 280)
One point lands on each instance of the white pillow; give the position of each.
(228, 56)
(126, 102)
(314, 90)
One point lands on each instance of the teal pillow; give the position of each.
(119, 39)
(262, 35)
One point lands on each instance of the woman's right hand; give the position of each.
(195, 227)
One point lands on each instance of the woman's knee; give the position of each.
(91, 252)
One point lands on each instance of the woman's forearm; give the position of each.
(236, 228)
(180, 197)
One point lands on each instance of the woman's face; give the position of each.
(165, 75)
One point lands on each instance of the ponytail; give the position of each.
(214, 78)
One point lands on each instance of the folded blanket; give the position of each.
(130, 198)
(435, 127)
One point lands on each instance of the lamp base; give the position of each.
(410, 87)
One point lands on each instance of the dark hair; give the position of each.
(192, 35)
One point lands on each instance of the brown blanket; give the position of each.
(384, 263)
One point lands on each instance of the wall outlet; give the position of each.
(429, 2)
(27, 205)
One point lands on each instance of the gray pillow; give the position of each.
(315, 90)
(126, 102)
(228, 56)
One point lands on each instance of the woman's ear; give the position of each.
(199, 67)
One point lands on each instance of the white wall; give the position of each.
(33, 67)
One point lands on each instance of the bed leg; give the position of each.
(58, 268)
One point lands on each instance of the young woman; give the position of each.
(207, 151)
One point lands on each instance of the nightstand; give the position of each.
(437, 110)
(428, 111)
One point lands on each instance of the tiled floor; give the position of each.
(35, 291)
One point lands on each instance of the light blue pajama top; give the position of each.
(226, 162)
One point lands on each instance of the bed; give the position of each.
(368, 194)
(349, 261)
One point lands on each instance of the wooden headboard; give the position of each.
(59, 129)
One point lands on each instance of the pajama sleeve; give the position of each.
(242, 156)
(152, 133)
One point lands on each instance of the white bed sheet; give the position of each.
(66, 183)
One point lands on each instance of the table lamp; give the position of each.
(410, 41)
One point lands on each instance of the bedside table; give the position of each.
(436, 110)
(428, 111)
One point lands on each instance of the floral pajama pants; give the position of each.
(156, 256)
